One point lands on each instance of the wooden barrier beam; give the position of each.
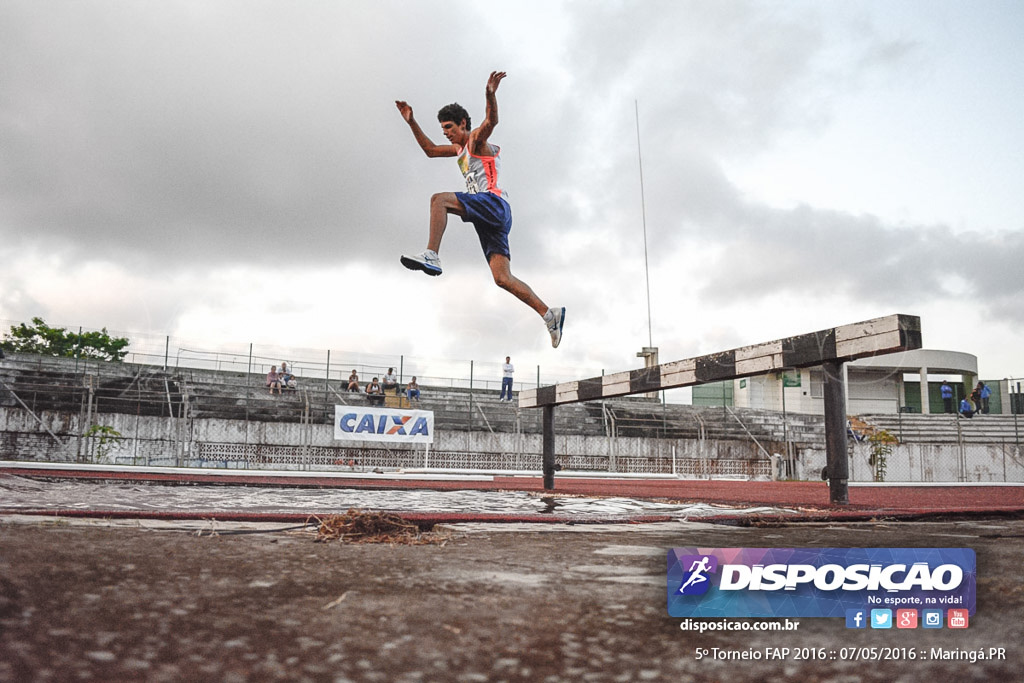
(838, 344)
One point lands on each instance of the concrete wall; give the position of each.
(237, 443)
(929, 463)
(266, 445)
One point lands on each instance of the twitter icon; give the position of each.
(881, 618)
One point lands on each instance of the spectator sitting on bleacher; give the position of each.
(353, 382)
(966, 409)
(374, 393)
(287, 378)
(274, 380)
(390, 381)
(412, 391)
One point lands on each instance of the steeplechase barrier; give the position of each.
(829, 348)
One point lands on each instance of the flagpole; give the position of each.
(643, 210)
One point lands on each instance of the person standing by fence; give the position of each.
(947, 396)
(506, 380)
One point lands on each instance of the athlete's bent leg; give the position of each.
(442, 204)
(554, 318)
(503, 277)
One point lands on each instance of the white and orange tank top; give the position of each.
(481, 173)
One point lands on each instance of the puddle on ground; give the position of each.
(19, 493)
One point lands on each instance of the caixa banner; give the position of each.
(383, 424)
(817, 582)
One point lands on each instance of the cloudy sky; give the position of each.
(230, 171)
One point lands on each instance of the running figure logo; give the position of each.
(699, 566)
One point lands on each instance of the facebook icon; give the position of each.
(856, 618)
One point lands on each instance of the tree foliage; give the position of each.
(57, 341)
(104, 439)
(881, 448)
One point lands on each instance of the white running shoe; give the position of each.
(429, 262)
(555, 319)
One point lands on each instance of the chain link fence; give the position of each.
(318, 367)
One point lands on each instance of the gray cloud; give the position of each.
(807, 250)
(212, 131)
(188, 134)
(198, 131)
(730, 79)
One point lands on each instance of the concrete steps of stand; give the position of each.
(981, 429)
(131, 389)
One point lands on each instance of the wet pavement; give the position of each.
(809, 499)
(26, 494)
(210, 601)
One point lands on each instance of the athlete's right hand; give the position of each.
(404, 109)
(494, 80)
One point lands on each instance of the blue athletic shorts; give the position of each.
(492, 217)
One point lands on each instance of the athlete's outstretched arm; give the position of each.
(491, 116)
(425, 143)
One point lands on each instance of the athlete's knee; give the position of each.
(500, 271)
(447, 202)
(503, 280)
(444, 199)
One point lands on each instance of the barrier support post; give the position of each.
(548, 446)
(836, 459)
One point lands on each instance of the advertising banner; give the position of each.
(819, 582)
(352, 423)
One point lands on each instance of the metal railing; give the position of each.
(167, 352)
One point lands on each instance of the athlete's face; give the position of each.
(455, 132)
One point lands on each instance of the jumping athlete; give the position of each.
(484, 203)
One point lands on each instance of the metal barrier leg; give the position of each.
(548, 450)
(836, 459)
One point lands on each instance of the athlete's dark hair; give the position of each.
(455, 113)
